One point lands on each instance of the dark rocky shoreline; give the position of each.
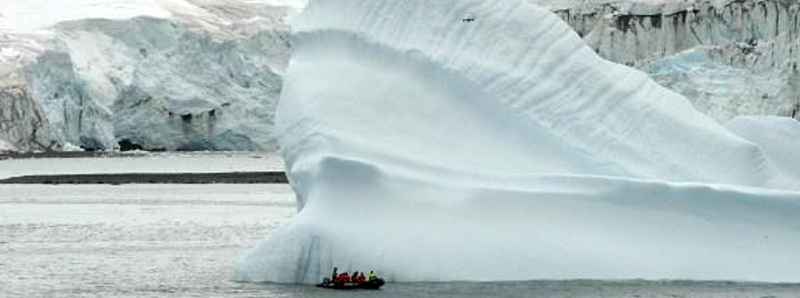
(69, 154)
(274, 177)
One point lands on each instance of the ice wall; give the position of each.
(433, 148)
(204, 77)
(631, 32)
(164, 87)
(742, 57)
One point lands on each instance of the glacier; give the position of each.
(729, 58)
(433, 149)
(157, 74)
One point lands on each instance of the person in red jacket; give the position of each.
(361, 279)
(343, 278)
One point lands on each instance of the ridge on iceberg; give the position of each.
(779, 137)
(433, 149)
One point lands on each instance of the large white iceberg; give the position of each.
(433, 148)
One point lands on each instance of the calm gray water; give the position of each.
(542, 289)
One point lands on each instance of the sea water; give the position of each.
(184, 240)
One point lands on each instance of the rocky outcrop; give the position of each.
(23, 126)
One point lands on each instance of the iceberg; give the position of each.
(433, 149)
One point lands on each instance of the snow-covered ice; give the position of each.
(434, 149)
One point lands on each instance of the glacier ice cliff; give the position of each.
(433, 149)
(202, 76)
(730, 58)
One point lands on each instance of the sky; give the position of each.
(27, 16)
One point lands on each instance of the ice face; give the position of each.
(432, 149)
(160, 74)
(729, 58)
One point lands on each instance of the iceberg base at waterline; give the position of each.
(536, 227)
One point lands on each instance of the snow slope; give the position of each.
(434, 149)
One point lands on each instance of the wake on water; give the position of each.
(432, 149)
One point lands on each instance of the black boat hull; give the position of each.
(370, 285)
